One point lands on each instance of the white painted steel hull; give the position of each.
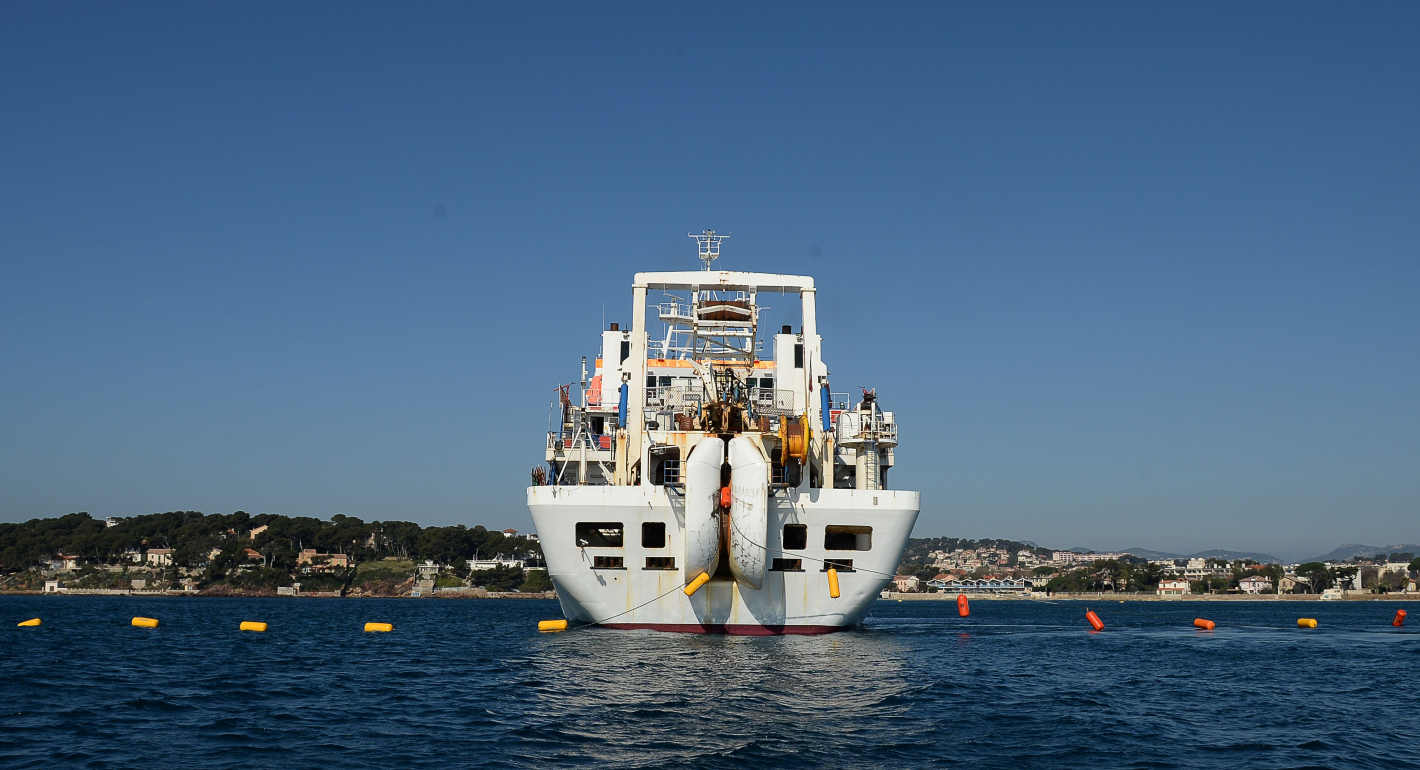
(787, 603)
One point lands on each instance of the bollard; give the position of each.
(252, 625)
(832, 583)
(552, 625)
(35, 622)
(963, 608)
(1206, 625)
(1306, 622)
(146, 622)
(382, 628)
(695, 584)
(1398, 622)
(1094, 619)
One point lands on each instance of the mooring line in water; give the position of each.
(613, 617)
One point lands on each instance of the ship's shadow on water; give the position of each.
(472, 684)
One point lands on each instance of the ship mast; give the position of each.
(709, 246)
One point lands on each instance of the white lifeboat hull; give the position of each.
(749, 510)
(702, 490)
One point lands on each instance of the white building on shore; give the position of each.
(1174, 587)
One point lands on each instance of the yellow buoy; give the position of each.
(146, 622)
(552, 625)
(252, 625)
(30, 622)
(1306, 622)
(832, 583)
(697, 583)
(381, 627)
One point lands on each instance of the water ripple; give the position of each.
(471, 684)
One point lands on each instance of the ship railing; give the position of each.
(675, 398)
(685, 398)
(558, 441)
(771, 401)
(675, 312)
(852, 426)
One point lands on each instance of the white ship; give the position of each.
(697, 485)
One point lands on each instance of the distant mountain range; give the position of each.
(1215, 553)
(1341, 553)
(1355, 549)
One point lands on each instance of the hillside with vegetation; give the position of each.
(256, 553)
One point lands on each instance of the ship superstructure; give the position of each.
(699, 482)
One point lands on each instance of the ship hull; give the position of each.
(789, 601)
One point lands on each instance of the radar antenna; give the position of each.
(709, 246)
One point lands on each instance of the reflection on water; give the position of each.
(643, 698)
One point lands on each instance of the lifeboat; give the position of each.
(702, 493)
(725, 310)
(749, 510)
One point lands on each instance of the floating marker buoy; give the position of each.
(1398, 622)
(695, 584)
(963, 608)
(552, 625)
(146, 622)
(35, 621)
(252, 625)
(725, 497)
(383, 628)
(1306, 622)
(1206, 625)
(832, 583)
(1094, 619)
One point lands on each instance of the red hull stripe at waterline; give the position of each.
(736, 629)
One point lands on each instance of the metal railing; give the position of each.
(851, 426)
(674, 398)
(563, 441)
(771, 401)
(685, 398)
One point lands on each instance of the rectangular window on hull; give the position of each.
(787, 565)
(840, 538)
(625, 349)
(799, 356)
(607, 562)
(842, 565)
(660, 562)
(653, 535)
(599, 534)
(796, 537)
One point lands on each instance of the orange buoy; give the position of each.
(963, 608)
(725, 498)
(1399, 619)
(1094, 619)
(1206, 625)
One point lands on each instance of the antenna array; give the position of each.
(709, 246)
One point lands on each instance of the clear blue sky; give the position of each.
(1131, 274)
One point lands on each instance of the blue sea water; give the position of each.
(470, 683)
